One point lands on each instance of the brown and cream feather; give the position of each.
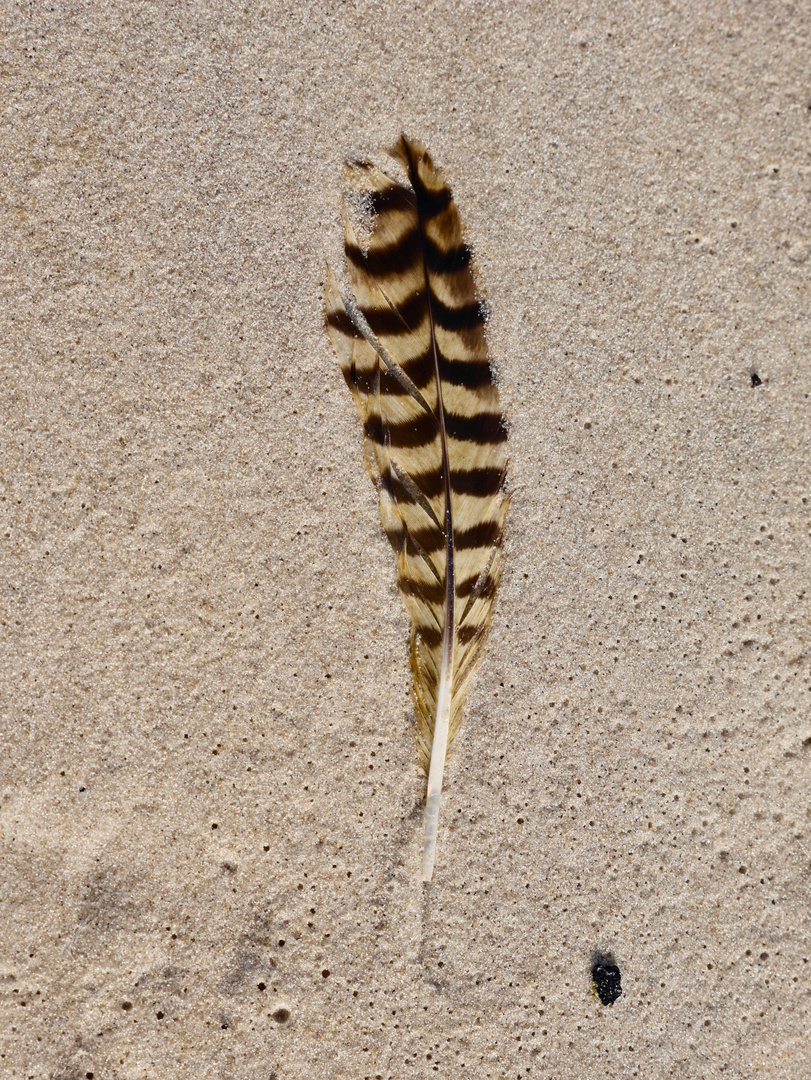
(411, 344)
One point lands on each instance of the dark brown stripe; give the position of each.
(431, 203)
(390, 384)
(457, 318)
(421, 369)
(395, 197)
(468, 587)
(390, 483)
(397, 256)
(365, 379)
(446, 262)
(484, 427)
(430, 483)
(408, 434)
(431, 635)
(429, 539)
(405, 494)
(388, 259)
(353, 381)
(432, 592)
(479, 482)
(471, 341)
(482, 535)
(466, 634)
(405, 319)
(341, 321)
(401, 494)
(471, 374)
(396, 536)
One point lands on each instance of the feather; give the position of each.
(411, 344)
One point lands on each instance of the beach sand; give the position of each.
(211, 815)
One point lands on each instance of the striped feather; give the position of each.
(411, 344)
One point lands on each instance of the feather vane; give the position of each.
(411, 344)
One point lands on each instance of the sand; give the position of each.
(211, 801)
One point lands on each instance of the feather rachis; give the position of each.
(411, 344)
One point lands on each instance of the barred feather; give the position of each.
(411, 344)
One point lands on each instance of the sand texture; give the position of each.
(211, 804)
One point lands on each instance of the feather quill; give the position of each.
(411, 344)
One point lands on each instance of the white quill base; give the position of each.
(439, 748)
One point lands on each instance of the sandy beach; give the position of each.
(211, 799)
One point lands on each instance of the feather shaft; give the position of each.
(439, 749)
(439, 743)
